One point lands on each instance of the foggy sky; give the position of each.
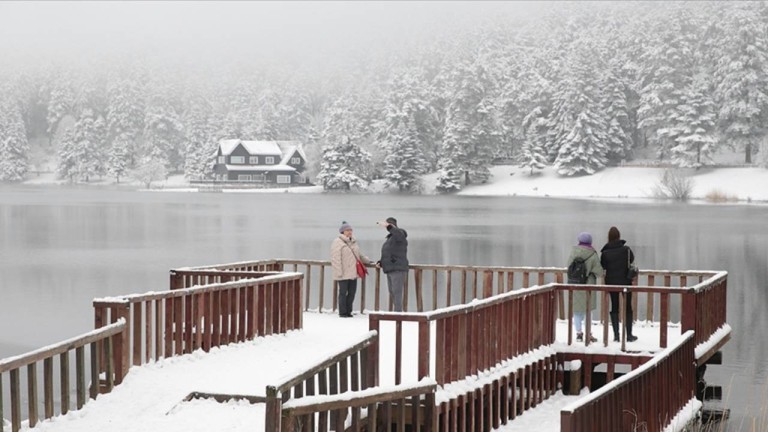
(32, 32)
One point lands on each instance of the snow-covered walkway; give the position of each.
(151, 397)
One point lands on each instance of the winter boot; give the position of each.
(615, 325)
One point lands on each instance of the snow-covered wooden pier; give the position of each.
(257, 346)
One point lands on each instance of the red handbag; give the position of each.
(362, 272)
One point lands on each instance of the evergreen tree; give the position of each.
(694, 120)
(163, 134)
(14, 147)
(617, 116)
(125, 123)
(404, 162)
(533, 154)
(582, 151)
(578, 136)
(344, 163)
(668, 65)
(742, 78)
(342, 166)
(81, 154)
(200, 144)
(450, 179)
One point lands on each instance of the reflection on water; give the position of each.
(59, 248)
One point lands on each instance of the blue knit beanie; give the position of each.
(344, 226)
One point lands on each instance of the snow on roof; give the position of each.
(260, 168)
(289, 148)
(270, 148)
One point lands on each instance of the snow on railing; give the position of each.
(104, 344)
(651, 395)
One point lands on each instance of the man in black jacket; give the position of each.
(615, 257)
(394, 261)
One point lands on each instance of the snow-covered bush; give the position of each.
(674, 184)
(149, 170)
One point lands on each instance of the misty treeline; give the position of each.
(578, 87)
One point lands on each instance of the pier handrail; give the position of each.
(672, 372)
(167, 323)
(340, 373)
(300, 413)
(104, 343)
(459, 352)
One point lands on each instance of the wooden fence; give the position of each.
(106, 342)
(644, 399)
(168, 323)
(340, 373)
(379, 409)
(472, 338)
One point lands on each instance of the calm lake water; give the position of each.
(61, 247)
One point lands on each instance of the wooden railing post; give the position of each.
(122, 344)
(688, 312)
(176, 280)
(274, 410)
(424, 349)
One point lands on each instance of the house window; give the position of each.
(222, 159)
(295, 161)
(284, 179)
(244, 177)
(237, 160)
(253, 160)
(269, 160)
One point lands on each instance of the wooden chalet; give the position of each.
(263, 162)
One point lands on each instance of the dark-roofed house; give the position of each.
(276, 162)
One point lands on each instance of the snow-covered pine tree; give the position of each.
(742, 78)
(454, 164)
(617, 115)
(667, 67)
(533, 154)
(125, 123)
(695, 122)
(14, 147)
(82, 153)
(344, 163)
(450, 179)
(163, 134)
(583, 150)
(404, 162)
(200, 144)
(578, 120)
(61, 101)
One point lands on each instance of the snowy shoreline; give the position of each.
(737, 186)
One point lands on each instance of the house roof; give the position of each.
(261, 168)
(289, 148)
(268, 148)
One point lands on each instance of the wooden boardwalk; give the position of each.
(477, 348)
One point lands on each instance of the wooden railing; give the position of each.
(430, 287)
(398, 407)
(189, 278)
(340, 373)
(105, 342)
(472, 338)
(168, 323)
(647, 398)
(701, 307)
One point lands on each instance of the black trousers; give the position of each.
(347, 290)
(615, 313)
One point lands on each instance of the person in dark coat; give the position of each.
(394, 261)
(615, 258)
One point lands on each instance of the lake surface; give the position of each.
(61, 247)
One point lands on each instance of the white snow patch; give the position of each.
(295, 190)
(688, 413)
(635, 183)
(544, 418)
(713, 340)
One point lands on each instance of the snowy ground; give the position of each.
(151, 396)
(544, 418)
(744, 184)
